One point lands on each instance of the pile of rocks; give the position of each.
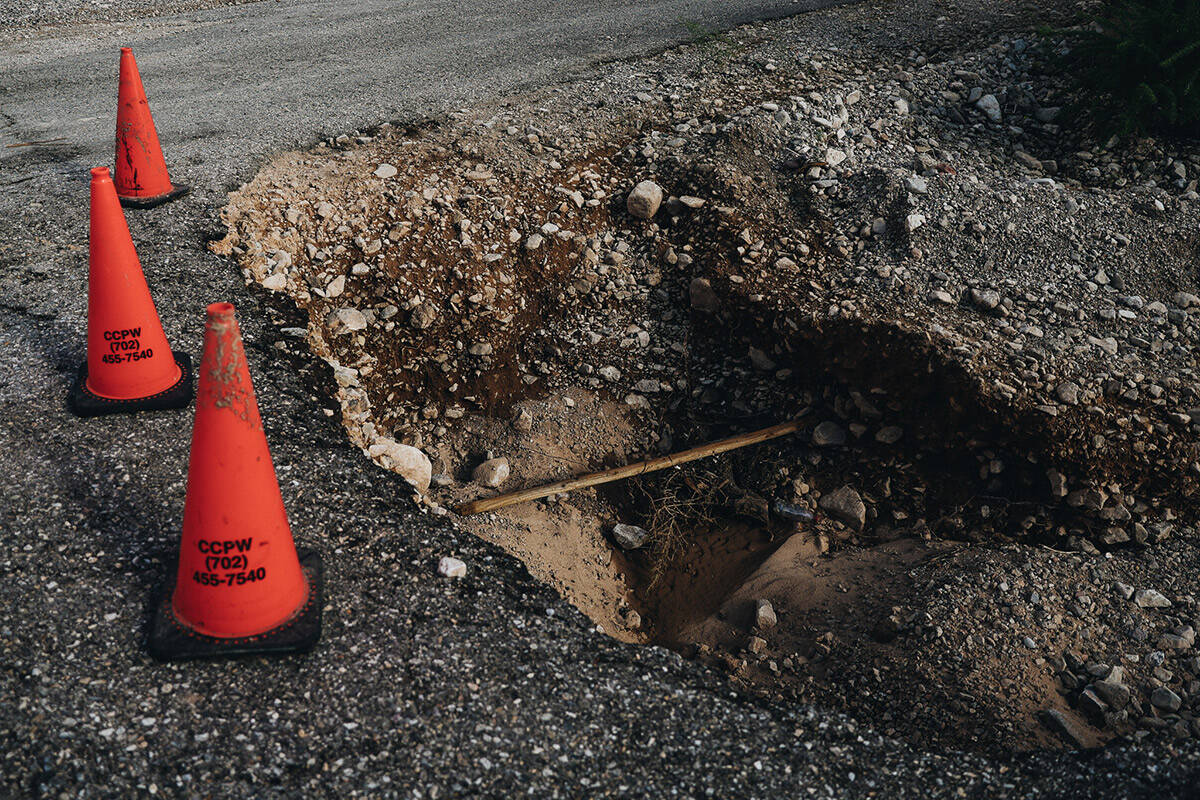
(1168, 695)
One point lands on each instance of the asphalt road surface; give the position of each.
(421, 687)
(232, 84)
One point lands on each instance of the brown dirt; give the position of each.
(562, 541)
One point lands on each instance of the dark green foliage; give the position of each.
(1140, 63)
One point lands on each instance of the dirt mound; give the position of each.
(991, 388)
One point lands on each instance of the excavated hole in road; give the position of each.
(951, 469)
(937, 464)
(719, 544)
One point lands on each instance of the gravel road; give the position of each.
(421, 687)
(23, 15)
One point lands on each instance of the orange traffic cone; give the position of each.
(241, 587)
(142, 180)
(130, 366)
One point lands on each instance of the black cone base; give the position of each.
(177, 192)
(86, 403)
(171, 640)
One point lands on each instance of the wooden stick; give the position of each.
(629, 470)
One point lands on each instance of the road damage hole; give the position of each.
(486, 292)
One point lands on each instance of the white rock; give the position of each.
(990, 106)
(276, 282)
(1149, 598)
(409, 462)
(764, 615)
(644, 200)
(834, 157)
(914, 221)
(336, 286)
(345, 320)
(385, 171)
(450, 567)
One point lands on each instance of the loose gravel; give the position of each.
(487, 684)
(26, 17)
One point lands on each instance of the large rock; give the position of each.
(990, 106)
(644, 200)
(423, 316)
(764, 615)
(1058, 483)
(493, 472)
(629, 537)
(916, 184)
(846, 505)
(1113, 693)
(1150, 598)
(828, 434)
(986, 299)
(1068, 393)
(1165, 699)
(276, 282)
(345, 320)
(411, 464)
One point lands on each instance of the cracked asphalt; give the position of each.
(421, 687)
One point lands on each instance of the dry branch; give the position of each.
(629, 470)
